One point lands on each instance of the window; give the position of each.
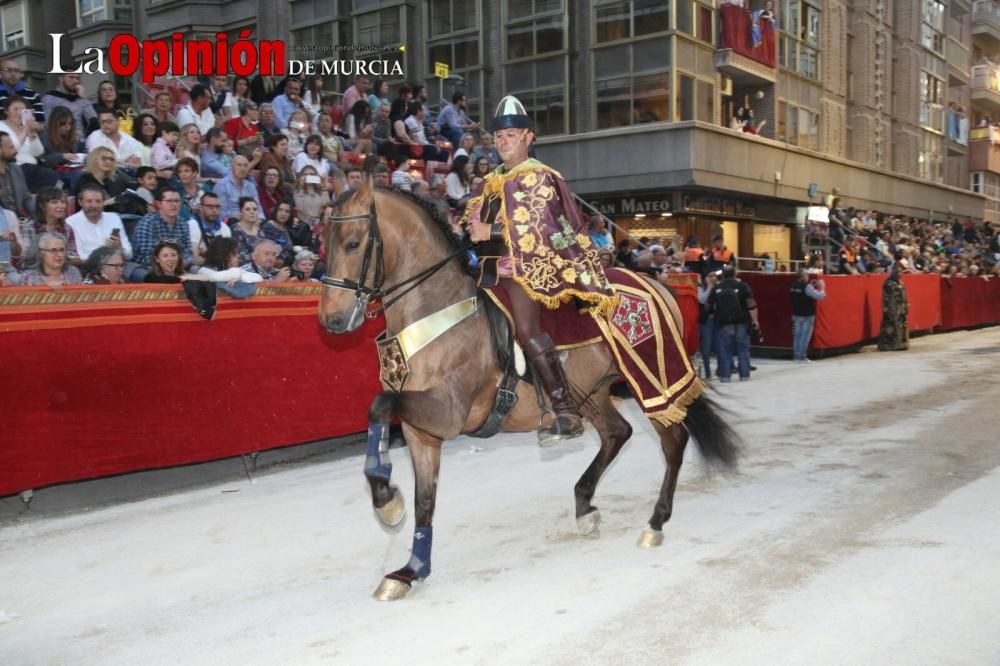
(931, 102)
(453, 37)
(13, 24)
(632, 83)
(537, 37)
(541, 87)
(378, 27)
(799, 39)
(930, 159)
(932, 25)
(448, 16)
(536, 29)
(92, 11)
(798, 126)
(623, 19)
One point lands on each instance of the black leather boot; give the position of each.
(567, 424)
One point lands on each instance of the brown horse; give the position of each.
(387, 243)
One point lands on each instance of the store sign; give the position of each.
(717, 206)
(647, 205)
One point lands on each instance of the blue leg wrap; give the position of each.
(420, 558)
(377, 463)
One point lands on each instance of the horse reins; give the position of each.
(373, 250)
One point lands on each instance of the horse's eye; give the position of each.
(353, 246)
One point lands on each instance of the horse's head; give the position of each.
(352, 260)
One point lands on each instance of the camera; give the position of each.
(299, 275)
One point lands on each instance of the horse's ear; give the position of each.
(367, 188)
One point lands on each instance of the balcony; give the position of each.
(957, 132)
(984, 150)
(748, 52)
(960, 7)
(986, 87)
(742, 70)
(986, 24)
(958, 58)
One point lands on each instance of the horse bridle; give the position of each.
(373, 254)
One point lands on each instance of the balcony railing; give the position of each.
(986, 77)
(985, 13)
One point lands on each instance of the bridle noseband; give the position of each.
(373, 254)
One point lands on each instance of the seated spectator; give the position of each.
(288, 102)
(163, 225)
(211, 155)
(420, 189)
(379, 94)
(599, 233)
(163, 107)
(105, 265)
(107, 100)
(228, 153)
(355, 179)
(50, 216)
(94, 228)
(277, 157)
(163, 158)
(100, 170)
(312, 155)
(359, 127)
(459, 180)
(267, 125)
(310, 195)
(70, 95)
(382, 134)
(312, 96)
(487, 150)
(146, 130)
(848, 258)
(198, 111)
(466, 146)
(23, 131)
(333, 152)
(243, 130)
(297, 132)
(356, 93)
(401, 178)
(411, 132)
(279, 229)
(206, 225)
(380, 174)
(222, 268)
(270, 192)
(61, 146)
(235, 186)
(246, 231)
(146, 185)
(481, 168)
(189, 143)
(127, 151)
(12, 244)
(304, 266)
(166, 266)
(454, 123)
(624, 258)
(262, 262)
(186, 184)
(45, 263)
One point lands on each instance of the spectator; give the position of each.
(45, 263)
(246, 231)
(486, 149)
(11, 84)
(262, 262)
(312, 96)
(599, 233)
(186, 184)
(624, 258)
(12, 245)
(297, 132)
(379, 95)
(355, 179)
(277, 158)
(107, 100)
(420, 189)
(270, 192)
(459, 180)
(189, 143)
(162, 157)
(382, 134)
(163, 225)
(162, 109)
(333, 151)
(72, 96)
(198, 111)
(228, 153)
(93, 228)
(268, 125)
(127, 151)
(607, 258)
(438, 196)
(304, 266)
(401, 178)
(734, 308)
(105, 265)
(287, 103)
(380, 174)
(359, 128)
(100, 170)
(694, 256)
(894, 334)
(805, 293)
(206, 225)
(166, 266)
(288, 231)
(23, 131)
(61, 146)
(264, 88)
(14, 192)
(354, 94)
(466, 146)
(244, 132)
(211, 155)
(481, 168)
(237, 185)
(848, 261)
(310, 195)
(147, 184)
(452, 121)
(223, 104)
(411, 132)
(718, 255)
(708, 341)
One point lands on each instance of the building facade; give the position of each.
(634, 99)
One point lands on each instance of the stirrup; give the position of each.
(563, 427)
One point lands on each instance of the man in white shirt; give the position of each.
(199, 110)
(126, 149)
(92, 227)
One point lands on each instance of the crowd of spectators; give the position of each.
(94, 193)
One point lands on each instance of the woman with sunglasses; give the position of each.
(105, 265)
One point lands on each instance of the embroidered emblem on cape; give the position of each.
(633, 319)
(393, 369)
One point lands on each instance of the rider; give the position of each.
(546, 259)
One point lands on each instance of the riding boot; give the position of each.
(567, 424)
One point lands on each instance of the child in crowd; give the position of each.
(228, 152)
(163, 158)
(147, 185)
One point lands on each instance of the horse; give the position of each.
(383, 243)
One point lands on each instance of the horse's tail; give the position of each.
(717, 440)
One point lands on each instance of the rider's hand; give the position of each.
(479, 232)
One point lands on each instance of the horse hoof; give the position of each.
(391, 513)
(391, 590)
(588, 522)
(651, 538)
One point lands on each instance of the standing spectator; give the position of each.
(708, 341)
(734, 309)
(894, 334)
(805, 293)
(288, 102)
(12, 84)
(487, 150)
(162, 109)
(235, 186)
(93, 228)
(146, 130)
(107, 100)
(599, 233)
(14, 192)
(357, 92)
(127, 151)
(452, 121)
(22, 129)
(105, 265)
(45, 263)
(277, 157)
(100, 169)
(206, 225)
(310, 195)
(198, 110)
(71, 95)
(718, 255)
(163, 225)
(694, 256)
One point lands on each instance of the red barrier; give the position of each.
(969, 302)
(262, 375)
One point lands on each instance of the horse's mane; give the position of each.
(453, 241)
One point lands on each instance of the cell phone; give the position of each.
(26, 116)
(298, 274)
(313, 180)
(116, 233)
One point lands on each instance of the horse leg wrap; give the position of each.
(419, 565)
(377, 463)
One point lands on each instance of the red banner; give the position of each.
(969, 302)
(737, 34)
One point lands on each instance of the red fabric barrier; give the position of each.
(969, 302)
(103, 388)
(775, 307)
(685, 288)
(737, 35)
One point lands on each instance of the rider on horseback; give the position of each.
(546, 257)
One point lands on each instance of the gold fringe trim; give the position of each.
(677, 411)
